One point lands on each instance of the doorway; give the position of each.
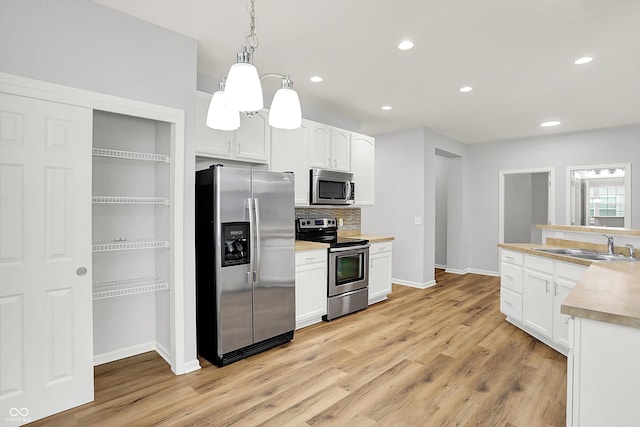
(526, 199)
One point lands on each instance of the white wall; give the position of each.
(81, 44)
(484, 161)
(442, 190)
(406, 189)
(518, 207)
(472, 211)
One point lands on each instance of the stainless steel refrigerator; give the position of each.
(245, 262)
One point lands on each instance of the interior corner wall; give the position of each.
(441, 207)
(399, 196)
(85, 45)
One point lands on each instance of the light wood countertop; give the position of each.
(530, 248)
(592, 229)
(303, 245)
(608, 292)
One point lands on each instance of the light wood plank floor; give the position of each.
(443, 356)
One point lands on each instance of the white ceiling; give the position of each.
(516, 54)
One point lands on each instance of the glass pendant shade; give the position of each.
(285, 112)
(243, 91)
(220, 116)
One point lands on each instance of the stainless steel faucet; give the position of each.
(632, 250)
(609, 244)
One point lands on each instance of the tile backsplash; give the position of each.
(350, 216)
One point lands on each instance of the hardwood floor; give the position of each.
(443, 356)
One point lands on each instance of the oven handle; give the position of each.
(349, 248)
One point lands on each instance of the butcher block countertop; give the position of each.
(608, 291)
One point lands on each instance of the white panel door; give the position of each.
(46, 344)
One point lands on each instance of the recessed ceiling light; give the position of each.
(405, 45)
(466, 89)
(387, 107)
(550, 123)
(316, 79)
(583, 60)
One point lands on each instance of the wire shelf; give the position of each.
(130, 155)
(117, 288)
(131, 200)
(125, 245)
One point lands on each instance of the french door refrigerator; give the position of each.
(245, 262)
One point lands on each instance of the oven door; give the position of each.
(348, 269)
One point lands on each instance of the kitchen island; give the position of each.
(603, 330)
(603, 366)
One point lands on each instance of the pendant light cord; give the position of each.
(252, 38)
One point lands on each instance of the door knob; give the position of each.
(81, 271)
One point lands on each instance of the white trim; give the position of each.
(551, 213)
(23, 86)
(473, 271)
(309, 319)
(110, 356)
(440, 266)
(414, 284)
(627, 189)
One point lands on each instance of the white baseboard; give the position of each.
(473, 271)
(440, 266)
(101, 359)
(191, 366)
(414, 284)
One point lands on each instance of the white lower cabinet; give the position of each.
(379, 271)
(532, 291)
(311, 287)
(537, 296)
(602, 374)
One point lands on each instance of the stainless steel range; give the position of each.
(348, 272)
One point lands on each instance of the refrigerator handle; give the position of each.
(257, 247)
(252, 227)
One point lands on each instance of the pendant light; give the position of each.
(285, 110)
(220, 116)
(243, 90)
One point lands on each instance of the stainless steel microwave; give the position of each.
(331, 188)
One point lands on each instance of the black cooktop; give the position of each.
(324, 230)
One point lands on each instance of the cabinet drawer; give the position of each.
(570, 271)
(511, 304)
(310, 257)
(380, 247)
(511, 277)
(512, 257)
(538, 263)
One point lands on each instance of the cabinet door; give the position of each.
(311, 287)
(210, 142)
(252, 138)
(363, 168)
(289, 153)
(320, 146)
(537, 301)
(379, 276)
(561, 321)
(46, 345)
(340, 150)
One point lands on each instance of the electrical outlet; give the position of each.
(340, 222)
(417, 220)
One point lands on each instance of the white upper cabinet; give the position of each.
(329, 148)
(252, 138)
(340, 149)
(363, 151)
(248, 143)
(289, 152)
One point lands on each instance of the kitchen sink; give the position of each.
(586, 254)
